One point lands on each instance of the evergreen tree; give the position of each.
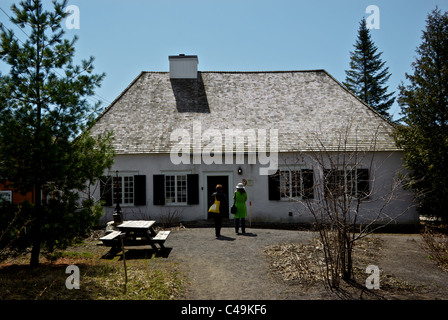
(424, 105)
(43, 111)
(368, 75)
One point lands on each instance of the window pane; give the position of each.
(5, 196)
(290, 184)
(351, 182)
(307, 190)
(117, 190)
(363, 183)
(128, 190)
(295, 183)
(284, 184)
(335, 183)
(176, 188)
(181, 188)
(123, 189)
(169, 189)
(340, 183)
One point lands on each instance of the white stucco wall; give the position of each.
(384, 170)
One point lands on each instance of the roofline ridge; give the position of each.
(267, 71)
(116, 99)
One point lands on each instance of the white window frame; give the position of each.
(6, 195)
(352, 172)
(122, 175)
(290, 169)
(176, 174)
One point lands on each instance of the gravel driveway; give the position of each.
(236, 268)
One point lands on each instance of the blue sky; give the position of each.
(127, 37)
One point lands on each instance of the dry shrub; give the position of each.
(306, 262)
(295, 261)
(436, 244)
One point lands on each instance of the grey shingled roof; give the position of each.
(306, 107)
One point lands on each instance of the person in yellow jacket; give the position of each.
(240, 197)
(223, 208)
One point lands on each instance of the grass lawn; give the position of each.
(149, 277)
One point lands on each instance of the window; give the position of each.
(176, 188)
(289, 184)
(126, 189)
(296, 183)
(350, 181)
(6, 196)
(123, 190)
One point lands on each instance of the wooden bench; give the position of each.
(161, 237)
(112, 239)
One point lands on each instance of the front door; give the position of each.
(212, 181)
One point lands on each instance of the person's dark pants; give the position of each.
(243, 225)
(218, 223)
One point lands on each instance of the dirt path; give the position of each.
(236, 267)
(232, 268)
(403, 257)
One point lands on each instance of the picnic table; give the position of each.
(136, 233)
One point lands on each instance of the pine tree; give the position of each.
(368, 75)
(424, 105)
(43, 111)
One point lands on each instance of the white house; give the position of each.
(180, 133)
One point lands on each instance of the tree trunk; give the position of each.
(36, 239)
(37, 224)
(348, 268)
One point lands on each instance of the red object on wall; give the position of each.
(18, 197)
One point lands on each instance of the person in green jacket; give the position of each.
(240, 197)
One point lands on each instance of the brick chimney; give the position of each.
(183, 67)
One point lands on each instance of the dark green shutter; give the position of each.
(363, 183)
(159, 189)
(106, 190)
(192, 189)
(140, 190)
(274, 186)
(308, 184)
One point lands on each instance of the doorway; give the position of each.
(211, 181)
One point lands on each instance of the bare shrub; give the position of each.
(436, 244)
(347, 203)
(171, 217)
